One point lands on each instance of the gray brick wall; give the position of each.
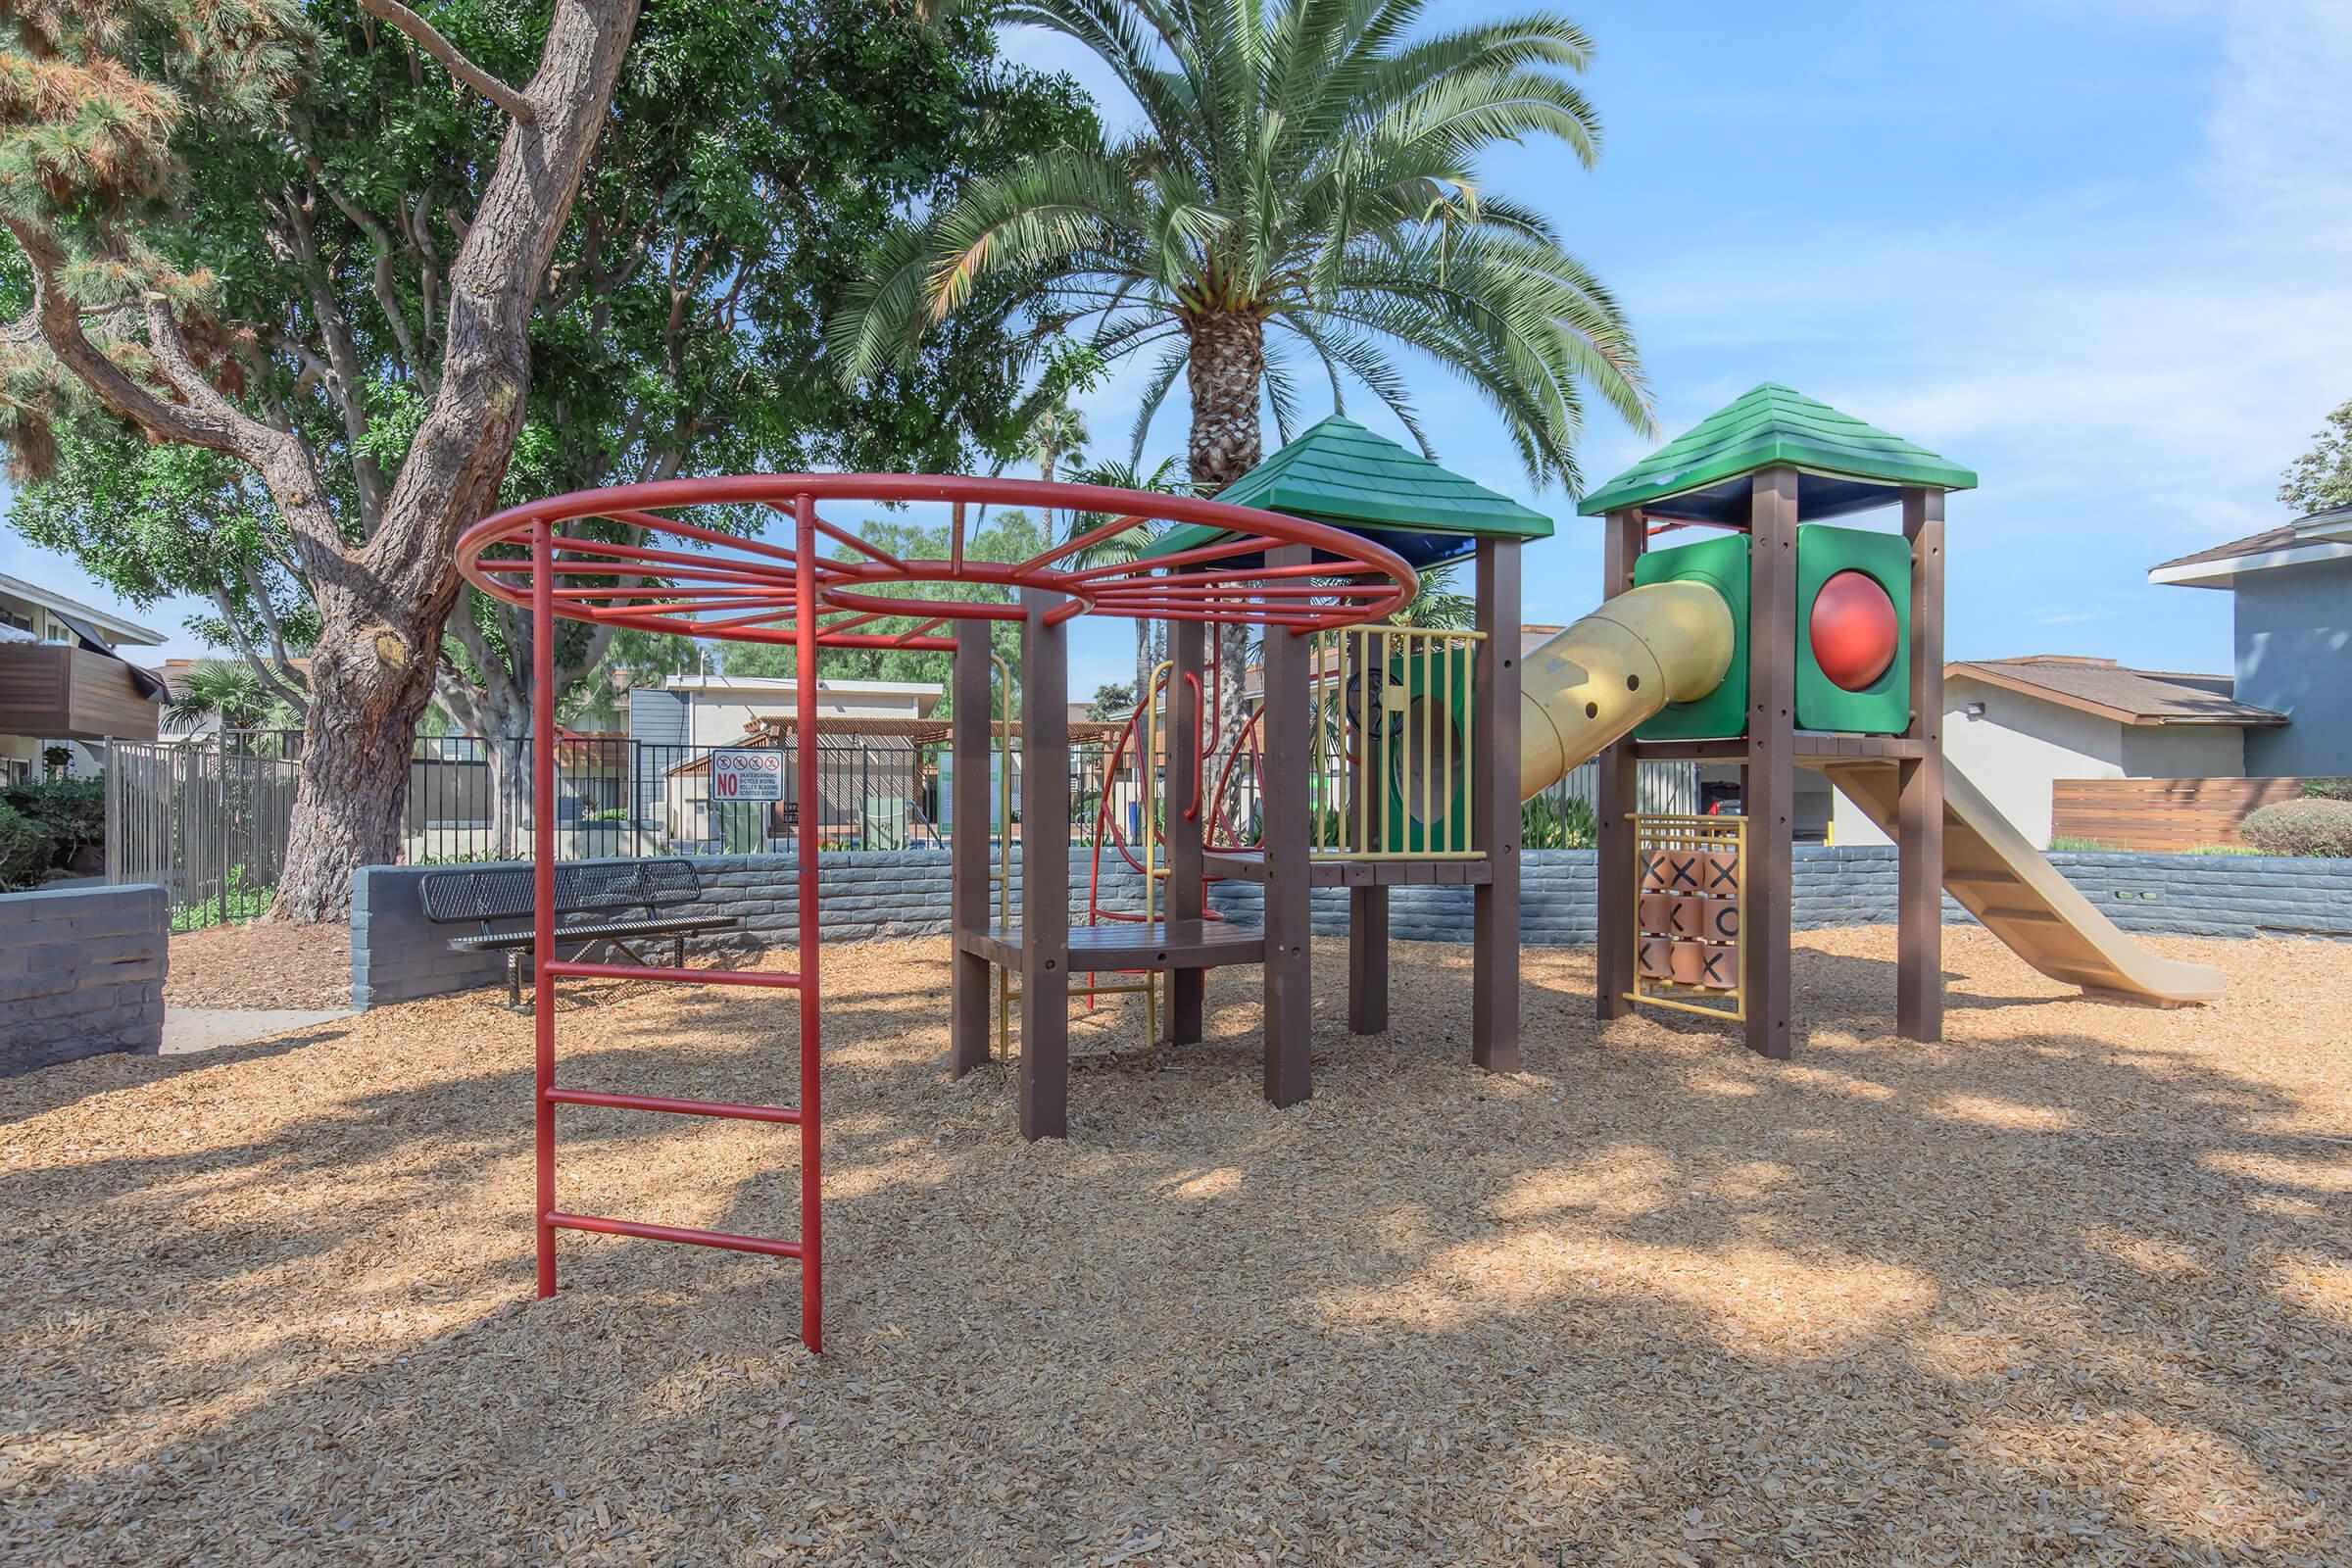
(81, 971)
(396, 955)
(2191, 894)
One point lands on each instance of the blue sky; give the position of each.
(2098, 250)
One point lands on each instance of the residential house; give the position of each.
(62, 682)
(2015, 726)
(2292, 595)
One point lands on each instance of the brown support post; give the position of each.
(1367, 903)
(1184, 795)
(1368, 960)
(1290, 953)
(1045, 1082)
(1494, 814)
(968, 825)
(1919, 819)
(1616, 800)
(1768, 778)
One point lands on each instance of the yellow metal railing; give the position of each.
(1393, 766)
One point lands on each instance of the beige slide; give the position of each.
(1593, 682)
(2020, 897)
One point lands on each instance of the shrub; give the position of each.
(2317, 828)
(1558, 822)
(2328, 789)
(70, 812)
(25, 849)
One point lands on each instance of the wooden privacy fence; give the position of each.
(2161, 815)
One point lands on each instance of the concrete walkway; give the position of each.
(189, 1029)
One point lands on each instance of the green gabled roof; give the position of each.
(1339, 473)
(1769, 426)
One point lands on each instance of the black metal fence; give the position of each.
(207, 817)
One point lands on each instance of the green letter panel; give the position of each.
(1720, 563)
(1883, 708)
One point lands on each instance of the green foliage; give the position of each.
(25, 849)
(1558, 822)
(233, 693)
(2321, 827)
(1111, 700)
(2322, 477)
(2068, 844)
(68, 813)
(1302, 169)
(57, 759)
(753, 161)
(1007, 537)
(2327, 789)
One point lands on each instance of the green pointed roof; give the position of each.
(1768, 427)
(1339, 473)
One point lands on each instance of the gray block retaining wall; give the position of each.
(396, 955)
(2181, 895)
(81, 971)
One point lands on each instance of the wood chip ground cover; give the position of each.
(2072, 1286)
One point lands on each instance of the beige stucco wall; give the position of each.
(720, 718)
(2011, 753)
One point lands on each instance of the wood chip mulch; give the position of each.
(2073, 1286)
(261, 963)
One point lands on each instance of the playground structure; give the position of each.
(1379, 753)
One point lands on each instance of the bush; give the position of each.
(2328, 789)
(70, 812)
(25, 849)
(1558, 822)
(2315, 826)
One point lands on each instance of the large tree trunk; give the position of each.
(1225, 374)
(382, 609)
(367, 695)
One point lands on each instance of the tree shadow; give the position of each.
(2069, 1286)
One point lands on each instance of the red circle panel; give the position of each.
(1854, 630)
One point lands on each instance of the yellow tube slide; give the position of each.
(1670, 642)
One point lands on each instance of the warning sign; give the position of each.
(746, 776)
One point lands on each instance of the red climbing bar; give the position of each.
(569, 969)
(803, 682)
(676, 1233)
(727, 1108)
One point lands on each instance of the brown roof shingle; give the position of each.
(2131, 696)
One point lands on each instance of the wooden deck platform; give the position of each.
(1132, 945)
(1333, 873)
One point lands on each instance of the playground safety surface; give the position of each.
(2074, 1286)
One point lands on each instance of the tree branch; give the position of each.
(429, 40)
(299, 700)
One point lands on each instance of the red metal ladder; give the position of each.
(546, 969)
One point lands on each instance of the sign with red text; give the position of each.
(737, 776)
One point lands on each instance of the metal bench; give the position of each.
(591, 901)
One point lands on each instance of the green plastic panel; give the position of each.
(1720, 563)
(1409, 679)
(1883, 708)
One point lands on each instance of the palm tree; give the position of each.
(1305, 168)
(231, 693)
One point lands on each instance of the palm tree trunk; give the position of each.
(1225, 375)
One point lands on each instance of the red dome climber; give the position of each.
(1855, 629)
(672, 576)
